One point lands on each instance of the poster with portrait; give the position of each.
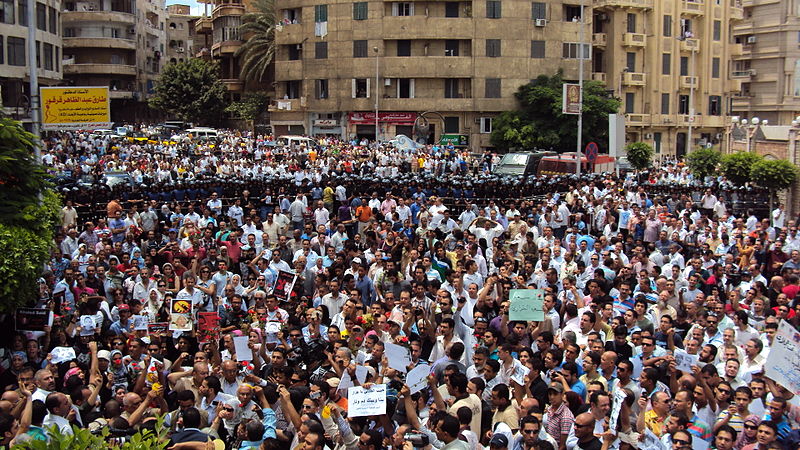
(33, 319)
(156, 328)
(207, 326)
(284, 283)
(180, 315)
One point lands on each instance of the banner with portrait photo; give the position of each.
(180, 315)
(284, 283)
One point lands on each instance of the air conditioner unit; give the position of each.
(751, 39)
(541, 22)
(648, 136)
(702, 142)
(387, 81)
(180, 49)
(718, 136)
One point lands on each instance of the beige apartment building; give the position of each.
(769, 66)
(119, 44)
(218, 38)
(456, 64)
(669, 63)
(180, 33)
(14, 68)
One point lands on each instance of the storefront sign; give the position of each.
(326, 123)
(457, 140)
(368, 118)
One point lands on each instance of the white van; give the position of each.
(202, 133)
(296, 141)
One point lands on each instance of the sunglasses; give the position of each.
(751, 427)
(680, 441)
(229, 409)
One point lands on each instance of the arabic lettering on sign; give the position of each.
(366, 402)
(783, 363)
(63, 108)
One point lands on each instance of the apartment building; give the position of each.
(180, 33)
(14, 69)
(455, 64)
(119, 44)
(218, 38)
(669, 63)
(769, 64)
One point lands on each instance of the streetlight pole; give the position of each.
(34, 77)
(578, 155)
(377, 87)
(691, 99)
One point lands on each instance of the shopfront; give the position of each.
(361, 125)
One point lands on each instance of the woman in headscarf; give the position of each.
(748, 434)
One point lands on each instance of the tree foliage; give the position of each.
(539, 122)
(191, 90)
(640, 155)
(258, 51)
(26, 222)
(251, 106)
(773, 174)
(703, 162)
(84, 439)
(736, 167)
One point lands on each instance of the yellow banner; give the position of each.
(75, 108)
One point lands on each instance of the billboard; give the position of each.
(75, 108)
(571, 99)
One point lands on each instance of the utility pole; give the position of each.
(377, 87)
(34, 78)
(581, 56)
(691, 97)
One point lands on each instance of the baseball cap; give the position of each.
(123, 307)
(333, 382)
(104, 354)
(356, 260)
(498, 440)
(558, 387)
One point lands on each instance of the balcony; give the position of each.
(233, 85)
(736, 49)
(225, 48)
(292, 104)
(637, 120)
(227, 9)
(633, 79)
(427, 67)
(99, 42)
(68, 17)
(434, 104)
(688, 82)
(427, 28)
(746, 74)
(290, 34)
(599, 39)
(633, 39)
(100, 69)
(599, 76)
(666, 120)
(734, 86)
(203, 25)
(737, 12)
(690, 45)
(627, 4)
(693, 7)
(685, 119)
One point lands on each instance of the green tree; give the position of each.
(82, 438)
(640, 155)
(192, 91)
(736, 167)
(703, 162)
(539, 122)
(29, 213)
(251, 106)
(258, 51)
(773, 174)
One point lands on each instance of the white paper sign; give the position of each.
(652, 442)
(685, 361)
(361, 374)
(243, 352)
(140, 323)
(61, 354)
(88, 324)
(417, 378)
(399, 357)
(346, 382)
(783, 362)
(366, 402)
(699, 444)
(637, 367)
(616, 407)
(519, 374)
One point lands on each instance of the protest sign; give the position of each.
(366, 402)
(526, 304)
(519, 374)
(88, 324)
(180, 317)
(417, 378)
(33, 319)
(243, 352)
(652, 442)
(140, 323)
(399, 357)
(207, 326)
(684, 361)
(361, 374)
(61, 354)
(783, 362)
(284, 283)
(616, 407)
(157, 327)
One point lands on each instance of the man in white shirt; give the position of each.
(58, 406)
(321, 214)
(779, 217)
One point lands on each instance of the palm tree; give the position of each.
(259, 50)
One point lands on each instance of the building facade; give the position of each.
(180, 33)
(119, 44)
(668, 61)
(218, 38)
(14, 68)
(769, 65)
(457, 64)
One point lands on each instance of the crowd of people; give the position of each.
(631, 272)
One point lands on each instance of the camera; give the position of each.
(417, 439)
(314, 395)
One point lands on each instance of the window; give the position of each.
(451, 88)
(666, 63)
(714, 105)
(38, 55)
(404, 47)
(451, 47)
(683, 104)
(405, 88)
(295, 52)
(360, 49)
(451, 124)
(16, 51)
(492, 88)
(631, 27)
(320, 50)
(630, 62)
(486, 125)
(657, 141)
(52, 14)
(321, 13)
(572, 13)
(48, 56)
(717, 30)
(321, 89)
(537, 49)
(493, 48)
(715, 67)
(361, 88)
(360, 10)
(58, 59)
(451, 9)
(686, 27)
(684, 66)
(402, 9)
(667, 26)
(538, 10)
(664, 103)
(7, 11)
(630, 97)
(570, 50)
(2, 53)
(41, 17)
(493, 9)
(293, 89)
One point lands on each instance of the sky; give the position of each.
(197, 8)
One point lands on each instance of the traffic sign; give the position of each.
(591, 151)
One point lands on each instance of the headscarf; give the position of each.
(743, 440)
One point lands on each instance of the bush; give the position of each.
(640, 155)
(774, 174)
(737, 166)
(82, 438)
(703, 162)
